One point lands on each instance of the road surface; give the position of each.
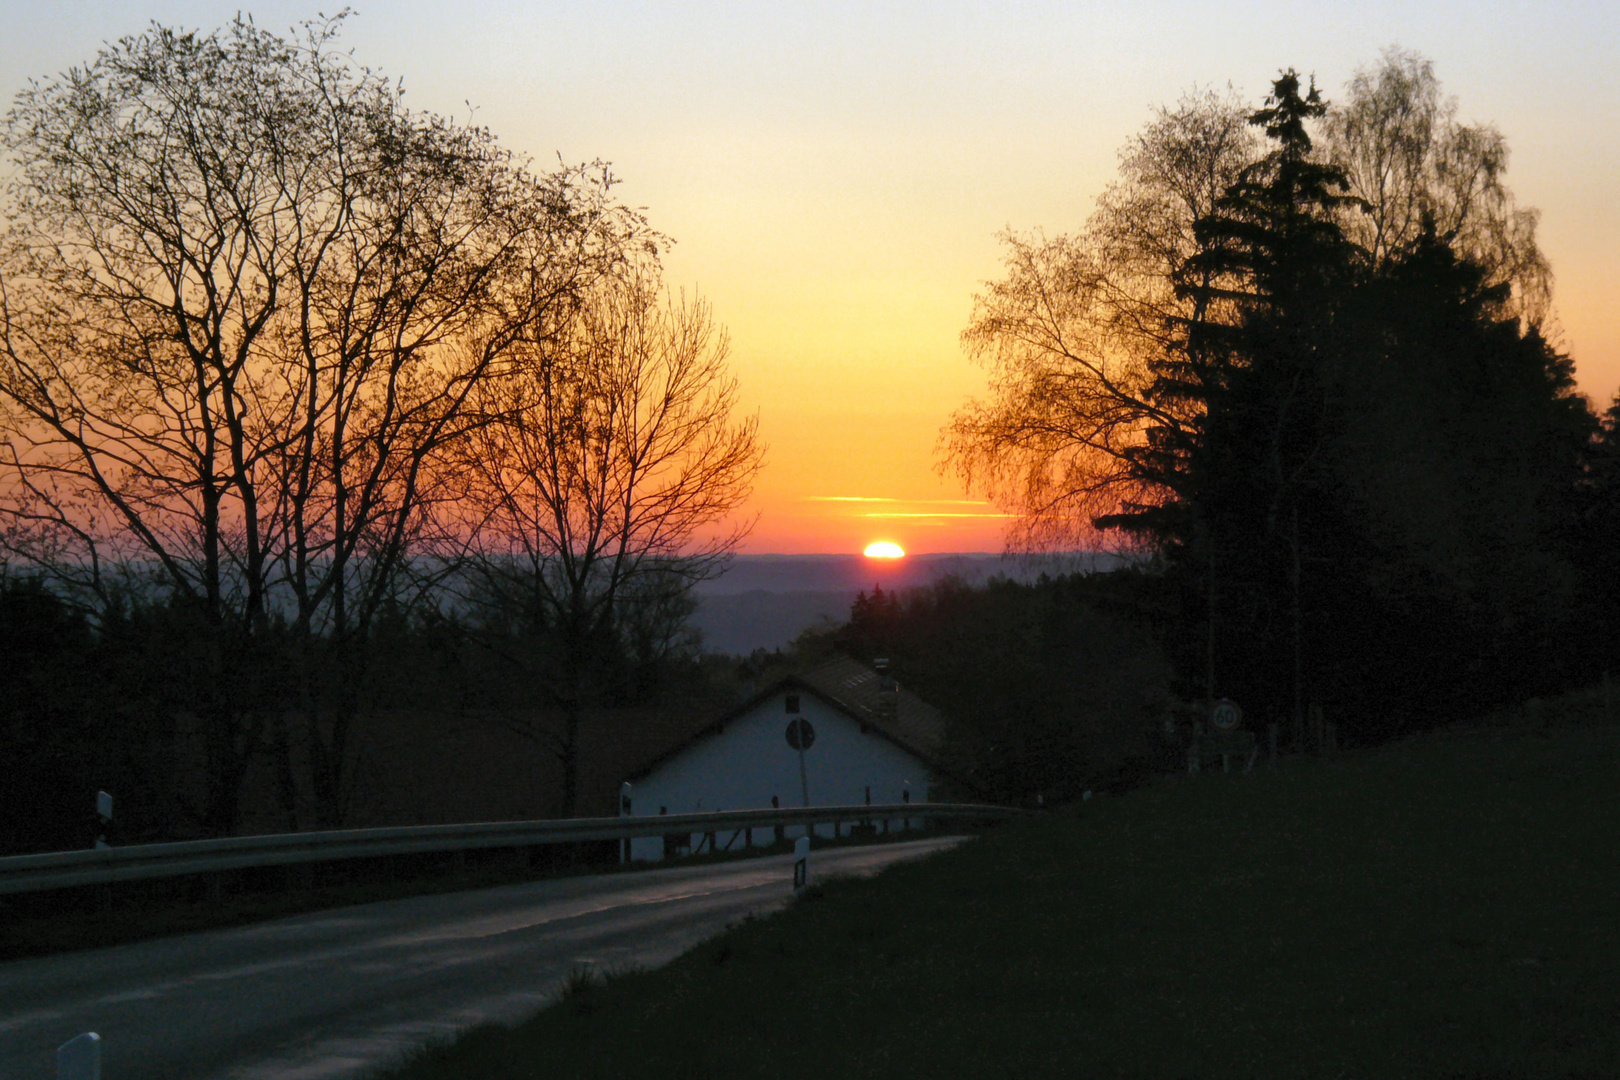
(332, 994)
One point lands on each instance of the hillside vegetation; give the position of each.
(1445, 906)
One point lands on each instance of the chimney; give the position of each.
(888, 691)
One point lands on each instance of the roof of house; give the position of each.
(854, 689)
(914, 725)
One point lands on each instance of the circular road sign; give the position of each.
(800, 735)
(1226, 715)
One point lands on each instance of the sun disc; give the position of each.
(883, 549)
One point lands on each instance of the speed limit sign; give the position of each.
(1225, 715)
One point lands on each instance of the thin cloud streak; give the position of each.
(847, 498)
(903, 514)
(886, 499)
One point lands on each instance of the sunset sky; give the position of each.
(835, 175)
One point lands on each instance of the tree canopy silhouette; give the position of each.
(1343, 431)
(245, 299)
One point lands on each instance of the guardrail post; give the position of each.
(79, 1058)
(801, 864)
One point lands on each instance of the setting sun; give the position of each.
(883, 549)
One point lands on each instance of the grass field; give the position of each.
(1445, 907)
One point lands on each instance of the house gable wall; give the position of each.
(742, 765)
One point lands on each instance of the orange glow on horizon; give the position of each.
(885, 549)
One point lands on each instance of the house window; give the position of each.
(793, 703)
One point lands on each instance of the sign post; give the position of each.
(1225, 738)
(801, 736)
(1225, 715)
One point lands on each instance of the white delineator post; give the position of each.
(801, 864)
(79, 1058)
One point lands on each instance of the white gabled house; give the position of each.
(870, 742)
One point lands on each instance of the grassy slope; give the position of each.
(1445, 907)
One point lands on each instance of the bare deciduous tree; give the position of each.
(1408, 157)
(244, 296)
(605, 478)
(1074, 334)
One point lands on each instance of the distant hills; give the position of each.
(765, 601)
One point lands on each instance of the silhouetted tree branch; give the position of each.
(600, 484)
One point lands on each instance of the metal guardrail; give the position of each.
(95, 866)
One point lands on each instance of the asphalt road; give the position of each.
(334, 993)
